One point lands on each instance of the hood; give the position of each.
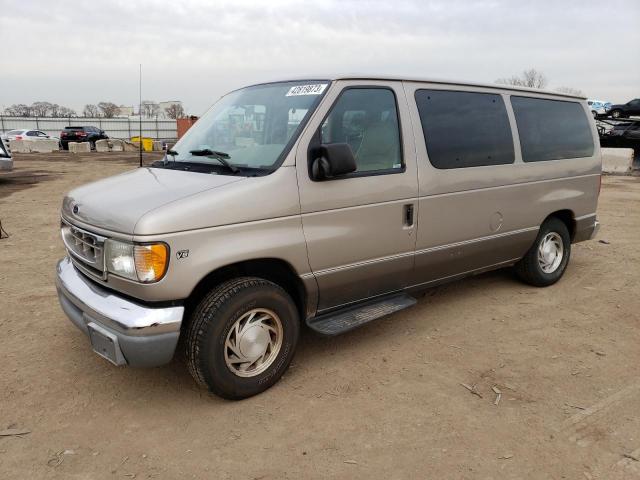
(117, 203)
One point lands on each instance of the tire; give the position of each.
(215, 335)
(616, 114)
(545, 271)
(594, 114)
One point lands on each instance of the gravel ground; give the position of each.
(384, 401)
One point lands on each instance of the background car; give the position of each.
(626, 109)
(629, 131)
(81, 134)
(598, 107)
(26, 134)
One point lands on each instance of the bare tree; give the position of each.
(531, 78)
(65, 112)
(174, 111)
(109, 109)
(90, 110)
(150, 108)
(40, 109)
(571, 91)
(19, 110)
(10, 111)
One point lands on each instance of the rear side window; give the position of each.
(552, 129)
(465, 129)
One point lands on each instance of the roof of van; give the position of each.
(356, 76)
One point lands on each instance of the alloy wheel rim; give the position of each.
(550, 252)
(253, 342)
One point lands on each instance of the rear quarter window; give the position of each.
(552, 129)
(465, 129)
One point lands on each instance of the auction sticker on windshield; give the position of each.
(315, 89)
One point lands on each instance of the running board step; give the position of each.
(353, 317)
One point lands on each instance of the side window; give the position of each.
(465, 129)
(551, 129)
(32, 133)
(367, 120)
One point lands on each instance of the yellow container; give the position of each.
(147, 143)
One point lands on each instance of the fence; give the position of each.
(156, 128)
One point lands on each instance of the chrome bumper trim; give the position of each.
(111, 310)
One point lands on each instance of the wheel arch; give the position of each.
(275, 270)
(567, 217)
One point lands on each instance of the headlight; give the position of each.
(144, 263)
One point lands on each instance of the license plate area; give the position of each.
(105, 344)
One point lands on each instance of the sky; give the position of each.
(78, 52)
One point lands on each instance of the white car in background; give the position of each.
(26, 134)
(599, 107)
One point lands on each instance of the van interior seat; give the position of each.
(378, 149)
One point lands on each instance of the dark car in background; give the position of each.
(81, 134)
(626, 109)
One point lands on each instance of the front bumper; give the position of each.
(122, 331)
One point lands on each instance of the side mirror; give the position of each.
(333, 160)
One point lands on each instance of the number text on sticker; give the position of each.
(315, 89)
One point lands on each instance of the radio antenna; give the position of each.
(140, 115)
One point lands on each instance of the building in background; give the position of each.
(124, 111)
(171, 109)
(184, 124)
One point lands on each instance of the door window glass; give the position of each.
(465, 129)
(367, 120)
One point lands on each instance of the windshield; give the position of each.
(251, 127)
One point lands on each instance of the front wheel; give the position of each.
(616, 114)
(242, 337)
(547, 259)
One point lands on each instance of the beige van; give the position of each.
(326, 202)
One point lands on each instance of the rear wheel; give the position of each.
(242, 337)
(547, 259)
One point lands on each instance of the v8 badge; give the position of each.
(180, 254)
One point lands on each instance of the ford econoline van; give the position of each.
(322, 202)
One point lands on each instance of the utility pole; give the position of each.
(140, 115)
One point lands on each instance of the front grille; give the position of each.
(86, 249)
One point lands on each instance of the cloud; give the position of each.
(196, 50)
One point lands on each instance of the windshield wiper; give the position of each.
(220, 156)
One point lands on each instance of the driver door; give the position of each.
(360, 227)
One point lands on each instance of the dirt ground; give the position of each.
(384, 401)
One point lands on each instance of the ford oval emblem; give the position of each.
(75, 208)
